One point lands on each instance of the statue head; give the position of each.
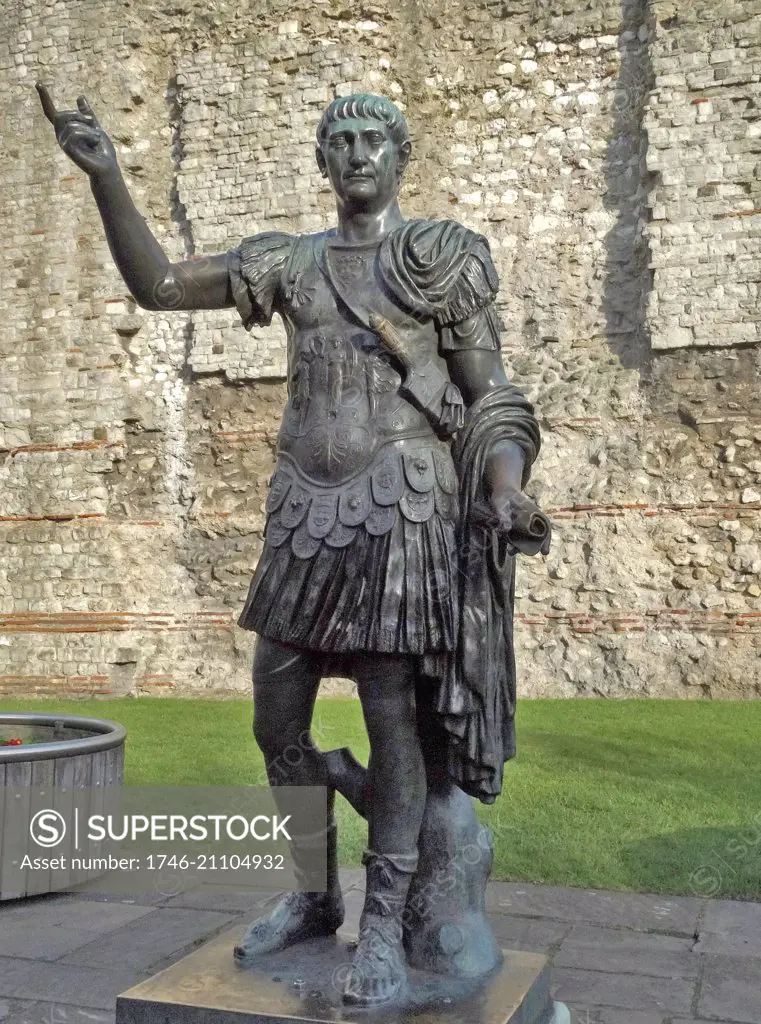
(363, 148)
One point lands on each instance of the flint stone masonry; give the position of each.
(607, 150)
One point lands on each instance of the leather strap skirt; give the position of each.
(373, 568)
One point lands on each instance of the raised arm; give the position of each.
(152, 279)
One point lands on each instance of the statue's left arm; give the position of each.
(477, 372)
(443, 270)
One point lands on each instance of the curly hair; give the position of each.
(366, 105)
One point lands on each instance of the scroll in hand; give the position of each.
(530, 530)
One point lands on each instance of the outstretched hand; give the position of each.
(80, 135)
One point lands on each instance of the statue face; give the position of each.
(362, 161)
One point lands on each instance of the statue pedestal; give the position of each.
(300, 985)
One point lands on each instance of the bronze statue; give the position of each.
(393, 519)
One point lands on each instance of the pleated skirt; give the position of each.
(392, 594)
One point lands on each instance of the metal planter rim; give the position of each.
(107, 734)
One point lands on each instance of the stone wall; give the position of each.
(704, 130)
(607, 151)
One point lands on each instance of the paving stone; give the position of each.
(527, 934)
(135, 899)
(731, 989)
(607, 975)
(144, 943)
(27, 1011)
(601, 1015)
(607, 949)
(623, 991)
(228, 902)
(47, 929)
(31, 1011)
(731, 929)
(13, 973)
(675, 915)
(69, 984)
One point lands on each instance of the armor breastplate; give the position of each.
(344, 403)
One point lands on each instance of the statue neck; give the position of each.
(358, 226)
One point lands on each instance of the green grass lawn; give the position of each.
(656, 796)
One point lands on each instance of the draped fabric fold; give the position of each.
(476, 693)
(438, 268)
(255, 268)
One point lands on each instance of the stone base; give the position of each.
(302, 985)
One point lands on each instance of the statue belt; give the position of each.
(412, 477)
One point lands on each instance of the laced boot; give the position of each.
(298, 916)
(378, 973)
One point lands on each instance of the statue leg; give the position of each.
(395, 792)
(446, 927)
(285, 687)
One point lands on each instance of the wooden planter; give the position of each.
(80, 754)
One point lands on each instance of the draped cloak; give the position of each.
(442, 270)
(477, 683)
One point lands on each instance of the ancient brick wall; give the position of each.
(608, 151)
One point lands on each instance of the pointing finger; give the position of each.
(48, 107)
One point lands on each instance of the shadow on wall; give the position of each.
(628, 279)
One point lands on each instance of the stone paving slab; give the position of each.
(600, 1015)
(30, 1011)
(8, 1006)
(731, 928)
(49, 927)
(70, 984)
(623, 991)
(144, 943)
(142, 899)
(13, 973)
(674, 915)
(226, 902)
(731, 989)
(618, 958)
(617, 950)
(529, 934)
